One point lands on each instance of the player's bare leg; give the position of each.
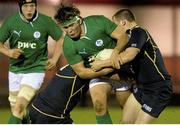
(132, 113)
(99, 98)
(25, 94)
(143, 118)
(122, 97)
(130, 110)
(12, 99)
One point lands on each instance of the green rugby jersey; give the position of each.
(31, 37)
(97, 37)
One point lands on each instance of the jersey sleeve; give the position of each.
(138, 38)
(4, 31)
(70, 52)
(54, 30)
(107, 25)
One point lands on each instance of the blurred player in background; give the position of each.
(28, 33)
(85, 38)
(153, 90)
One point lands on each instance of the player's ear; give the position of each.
(80, 20)
(123, 22)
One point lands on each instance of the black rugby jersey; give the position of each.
(148, 65)
(62, 94)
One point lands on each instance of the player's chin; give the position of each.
(75, 37)
(29, 16)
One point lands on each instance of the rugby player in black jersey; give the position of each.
(153, 90)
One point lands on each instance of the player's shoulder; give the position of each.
(45, 19)
(13, 17)
(95, 17)
(139, 29)
(41, 15)
(67, 40)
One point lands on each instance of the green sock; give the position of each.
(14, 120)
(104, 119)
(26, 118)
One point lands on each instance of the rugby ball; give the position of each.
(104, 54)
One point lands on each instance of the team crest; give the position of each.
(99, 42)
(37, 34)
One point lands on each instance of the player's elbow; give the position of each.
(130, 57)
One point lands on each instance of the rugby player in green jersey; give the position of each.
(27, 32)
(85, 38)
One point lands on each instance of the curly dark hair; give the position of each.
(66, 12)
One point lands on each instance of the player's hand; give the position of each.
(96, 65)
(14, 53)
(114, 59)
(51, 63)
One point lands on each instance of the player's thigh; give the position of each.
(25, 95)
(14, 82)
(12, 99)
(14, 86)
(122, 91)
(33, 80)
(29, 84)
(100, 91)
(143, 118)
(122, 97)
(130, 110)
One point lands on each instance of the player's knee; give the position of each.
(27, 93)
(99, 107)
(19, 107)
(12, 100)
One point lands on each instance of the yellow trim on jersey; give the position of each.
(154, 62)
(70, 94)
(53, 116)
(154, 47)
(69, 77)
(73, 93)
(78, 90)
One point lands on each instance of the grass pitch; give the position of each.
(171, 115)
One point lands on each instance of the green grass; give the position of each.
(170, 115)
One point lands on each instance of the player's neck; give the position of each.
(133, 25)
(82, 30)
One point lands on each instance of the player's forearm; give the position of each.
(122, 39)
(106, 63)
(89, 73)
(58, 50)
(128, 55)
(121, 43)
(4, 50)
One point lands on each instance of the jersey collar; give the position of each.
(85, 31)
(22, 17)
